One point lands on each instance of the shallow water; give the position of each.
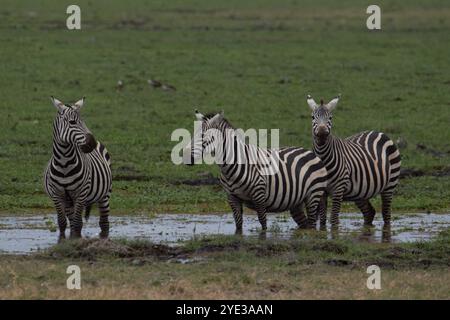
(25, 234)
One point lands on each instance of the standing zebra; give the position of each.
(359, 167)
(298, 177)
(78, 173)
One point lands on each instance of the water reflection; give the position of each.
(25, 234)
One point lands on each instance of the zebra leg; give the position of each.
(322, 211)
(76, 223)
(103, 207)
(386, 199)
(386, 233)
(261, 211)
(367, 210)
(236, 206)
(259, 199)
(62, 220)
(299, 217)
(312, 207)
(69, 212)
(87, 212)
(336, 199)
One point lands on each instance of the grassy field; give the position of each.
(306, 267)
(256, 61)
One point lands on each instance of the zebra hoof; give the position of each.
(103, 236)
(74, 236)
(334, 229)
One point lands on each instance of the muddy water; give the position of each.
(25, 234)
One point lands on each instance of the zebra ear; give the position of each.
(79, 104)
(58, 104)
(311, 103)
(198, 115)
(217, 117)
(333, 103)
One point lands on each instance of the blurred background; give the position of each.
(256, 60)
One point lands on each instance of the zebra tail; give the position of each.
(87, 213)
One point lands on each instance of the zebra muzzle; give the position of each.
(90, 144)
(322, 132)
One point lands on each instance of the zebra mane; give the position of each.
(68, 106)
(212, 114)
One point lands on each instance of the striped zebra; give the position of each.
(359, 167)
(290, 179)
(78, 173)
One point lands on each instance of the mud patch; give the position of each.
(433, 152)
(199, 182)
(411, 172)
(435, 172)
(331, 247)
(205, 179)
(91, 249)
(338, 262)
(128, 173)
(131, 177)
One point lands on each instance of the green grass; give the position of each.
(225, 267)
(219, 55)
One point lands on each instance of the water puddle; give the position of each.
(25, 234)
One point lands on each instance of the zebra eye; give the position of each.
(72, 122)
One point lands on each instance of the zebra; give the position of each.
(359, 167)
(78, 174)
(299, 177)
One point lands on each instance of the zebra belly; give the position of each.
(281, 204)
(251, 205)
(363, 189)
(288, 187)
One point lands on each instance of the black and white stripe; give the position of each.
(78, 174)
(359, 167)
(265, 180)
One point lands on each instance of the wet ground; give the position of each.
(25, 234)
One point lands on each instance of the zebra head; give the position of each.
(205, 137)
(321, 117)
(69, 129)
